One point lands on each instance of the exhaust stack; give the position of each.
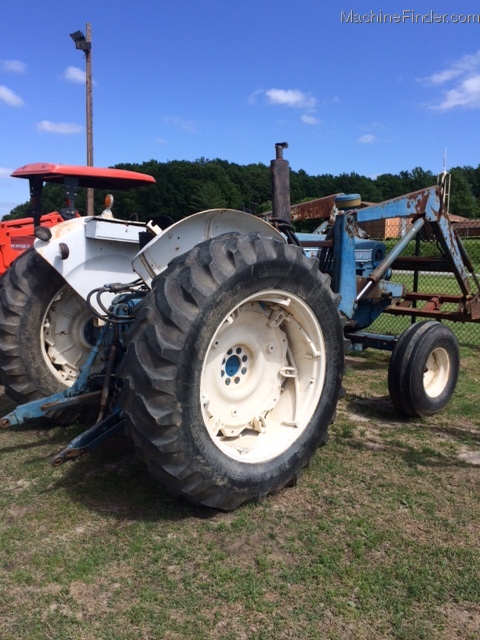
(280, 173)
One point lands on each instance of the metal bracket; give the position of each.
(91, 438)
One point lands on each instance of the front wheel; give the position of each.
(423, 369)
(233, 370)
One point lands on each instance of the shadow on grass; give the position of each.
(413, 456)
(381, 408)
(380, 413)
(110, 480)
(367, 361)
(39, 435)
(374, 408)
(114, 482)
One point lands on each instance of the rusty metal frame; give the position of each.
(425, 208)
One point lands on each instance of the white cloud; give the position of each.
(74, 74)
(464, 65)
(442, 76)
(309, 119)
(13, 66)
(368, 138)
(461, 83)
(64, 128)
(5, 172)
(160, 141)
(178, 121)
(291, 98)
(10, 98)
(465, 94)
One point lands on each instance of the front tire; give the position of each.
(233, 370)
(423, 369)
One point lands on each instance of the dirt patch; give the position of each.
(461, 621)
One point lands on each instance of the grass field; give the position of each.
(379, 540)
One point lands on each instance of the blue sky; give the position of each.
(183, 79)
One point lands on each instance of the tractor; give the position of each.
(47, 328)
(218, 342)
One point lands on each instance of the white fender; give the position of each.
(92, 251)
(185, 234)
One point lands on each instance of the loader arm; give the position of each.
(425, 209)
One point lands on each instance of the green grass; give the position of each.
(379, 540)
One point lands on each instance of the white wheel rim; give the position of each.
(437, 372)
(263, 376)
(67, 335)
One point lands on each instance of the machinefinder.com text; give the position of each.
(408, 16)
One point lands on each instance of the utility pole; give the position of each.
(84, 43)
(88, 83)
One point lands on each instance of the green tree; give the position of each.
(208, 195)
(183, 187)
(462, 200)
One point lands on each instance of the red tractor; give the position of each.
(16, 236)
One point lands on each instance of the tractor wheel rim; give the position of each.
(67, 335)
(436, 373)
(263, 376)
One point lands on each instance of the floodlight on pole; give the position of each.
(84, 43)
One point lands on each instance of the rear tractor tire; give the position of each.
(233, 370)
(423, 369)
(46, 331)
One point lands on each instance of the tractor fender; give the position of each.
(187, 233)
(89, 252)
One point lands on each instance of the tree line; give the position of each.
(184, 187)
